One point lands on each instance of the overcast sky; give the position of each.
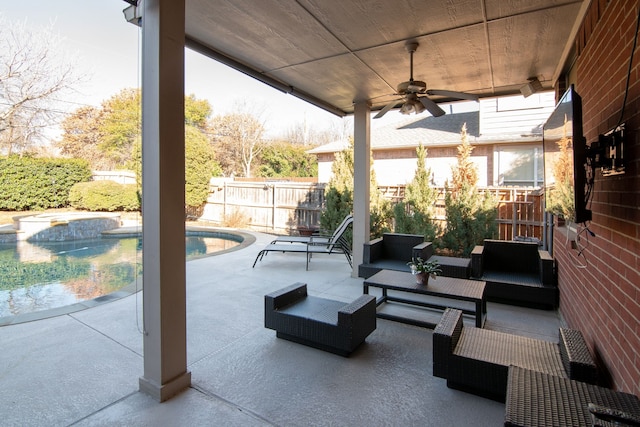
(107, 50)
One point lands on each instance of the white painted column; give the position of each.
(361, 181)
(164, 278)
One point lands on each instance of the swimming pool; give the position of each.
(47, 275)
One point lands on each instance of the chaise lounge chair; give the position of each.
(316, 238)
(337, 244)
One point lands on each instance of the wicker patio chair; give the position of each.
(477, 360)
(329, 325)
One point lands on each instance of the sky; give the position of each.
(106, 49)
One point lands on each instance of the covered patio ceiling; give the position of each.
(334, 53)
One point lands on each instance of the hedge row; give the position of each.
(107, 196)
(39, 183)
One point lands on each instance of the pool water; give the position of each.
(45, 275)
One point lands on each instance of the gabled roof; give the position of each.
(517, 126)
(426, 130)
(429, 131)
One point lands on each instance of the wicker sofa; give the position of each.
(392, 251)
(329, 325)
(516, 273)
(477, 360)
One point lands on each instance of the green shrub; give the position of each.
(104, 196)
(28, 183)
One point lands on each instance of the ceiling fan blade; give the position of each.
(431, 106)
(386, 108)
(453, 94)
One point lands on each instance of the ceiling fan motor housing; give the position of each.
(412, 86)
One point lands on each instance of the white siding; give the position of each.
(515, 115)
(394, 171)
(401, 171)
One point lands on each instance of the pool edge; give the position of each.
(130, 289)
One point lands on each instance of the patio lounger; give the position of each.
(328, 325)
(317, 238)
(336, 245)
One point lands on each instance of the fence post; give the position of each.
(273, 207)
(224, 202)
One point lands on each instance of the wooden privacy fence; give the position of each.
(520, 209)
(288, 207)
(274, 207)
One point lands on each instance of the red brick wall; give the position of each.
(600, 291)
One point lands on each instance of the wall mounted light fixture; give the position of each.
(534, 86)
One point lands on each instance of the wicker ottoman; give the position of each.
(538, 399)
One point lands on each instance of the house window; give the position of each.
(518, 166)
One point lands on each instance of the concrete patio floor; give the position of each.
(82, 368)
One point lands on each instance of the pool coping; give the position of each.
(135, 286)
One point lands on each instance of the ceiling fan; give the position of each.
(410, 91)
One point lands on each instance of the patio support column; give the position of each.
(163, 259)
(361, 180)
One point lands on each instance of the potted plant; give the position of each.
(424, 269)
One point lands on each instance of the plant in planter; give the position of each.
(424, 269)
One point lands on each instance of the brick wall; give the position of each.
(600, 289)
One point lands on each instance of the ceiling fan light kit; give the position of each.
(412, 105)
(410, 90)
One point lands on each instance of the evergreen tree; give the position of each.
(471, 216)
(379, 208)
(339, 197)
(414, 215)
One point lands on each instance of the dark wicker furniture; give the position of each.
(538, 399)
(329, 325)
(516, 273)
(393, 251)
(477, 360)
(449, 288)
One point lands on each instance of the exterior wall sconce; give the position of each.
(133, 13)
(534, 86)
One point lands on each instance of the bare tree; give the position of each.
(238, 137)
(298, 133)
(33, 72)
(81, 137)
(338, 129)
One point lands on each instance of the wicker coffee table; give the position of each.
(443, 287)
